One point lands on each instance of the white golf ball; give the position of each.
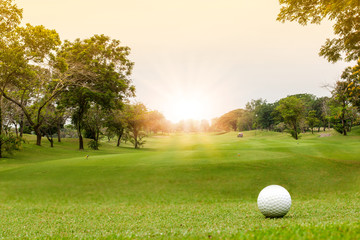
(274, 201)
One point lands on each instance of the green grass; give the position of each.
(183, 186)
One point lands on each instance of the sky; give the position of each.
(200, 58)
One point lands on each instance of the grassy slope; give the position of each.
(184, 186)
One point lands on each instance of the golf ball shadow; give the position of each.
(274, 201)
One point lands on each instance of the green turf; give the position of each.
(183, 186)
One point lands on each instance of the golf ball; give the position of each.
(274, 201)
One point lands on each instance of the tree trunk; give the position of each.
(118, 141)
(59, 132)
(50, 138)
(343, 122)
(96, 139)
(81, 141)
(295, 132)
(38, 138)
(135, 140)
(21, 130)
(97, 135)
(1, 125)
(351, 124)
(119, 137)
(16, 130)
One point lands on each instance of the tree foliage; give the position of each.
(292, 109)
(135, 118)
(228, 121)
(346, 17)
(103, 69)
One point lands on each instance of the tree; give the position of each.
(341, 95)
(228, 121)
(263, 115)
(258, 115)
(106, 81)
(116, 124)
(10, 18)
(249, 118)
(352, 76)
(351, 116)
(312, 120)
(155, 121)
(29, 49)
(322, 110)
(93, 121)
(344, 14)
(49, 126)
(246, 121)
(292, 110)
(135, 118)
(204, 125)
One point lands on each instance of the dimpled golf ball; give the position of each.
(274, 201)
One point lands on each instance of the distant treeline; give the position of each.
(296, 113)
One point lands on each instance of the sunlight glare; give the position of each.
(186, 107)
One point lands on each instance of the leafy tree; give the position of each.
(264, 117)
(155, 121)
(352, 76)
(346, 44)
(135, 118)
(109, 134)
(228, 121)
(10, 18)
(93, 122)
(258, 115)
(245, 121)
(341, 95)
(292, 109)
(312, 120)
(49, 126)
(116, 124)
(250, 116)
(351, 116)
(344, 14)
(321, 107)
(29, 79)
(103, 68)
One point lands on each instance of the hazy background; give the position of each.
(215, 54)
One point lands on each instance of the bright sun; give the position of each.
(186, 107)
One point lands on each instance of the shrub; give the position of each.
(11, 143)
(293, 134)
(339, 128)
(94, 145)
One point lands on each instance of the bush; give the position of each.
(11, 143)
(293, 134)
(280, 127)
(339, 128)
(94, 145)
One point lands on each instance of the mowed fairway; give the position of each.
(183, 186)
